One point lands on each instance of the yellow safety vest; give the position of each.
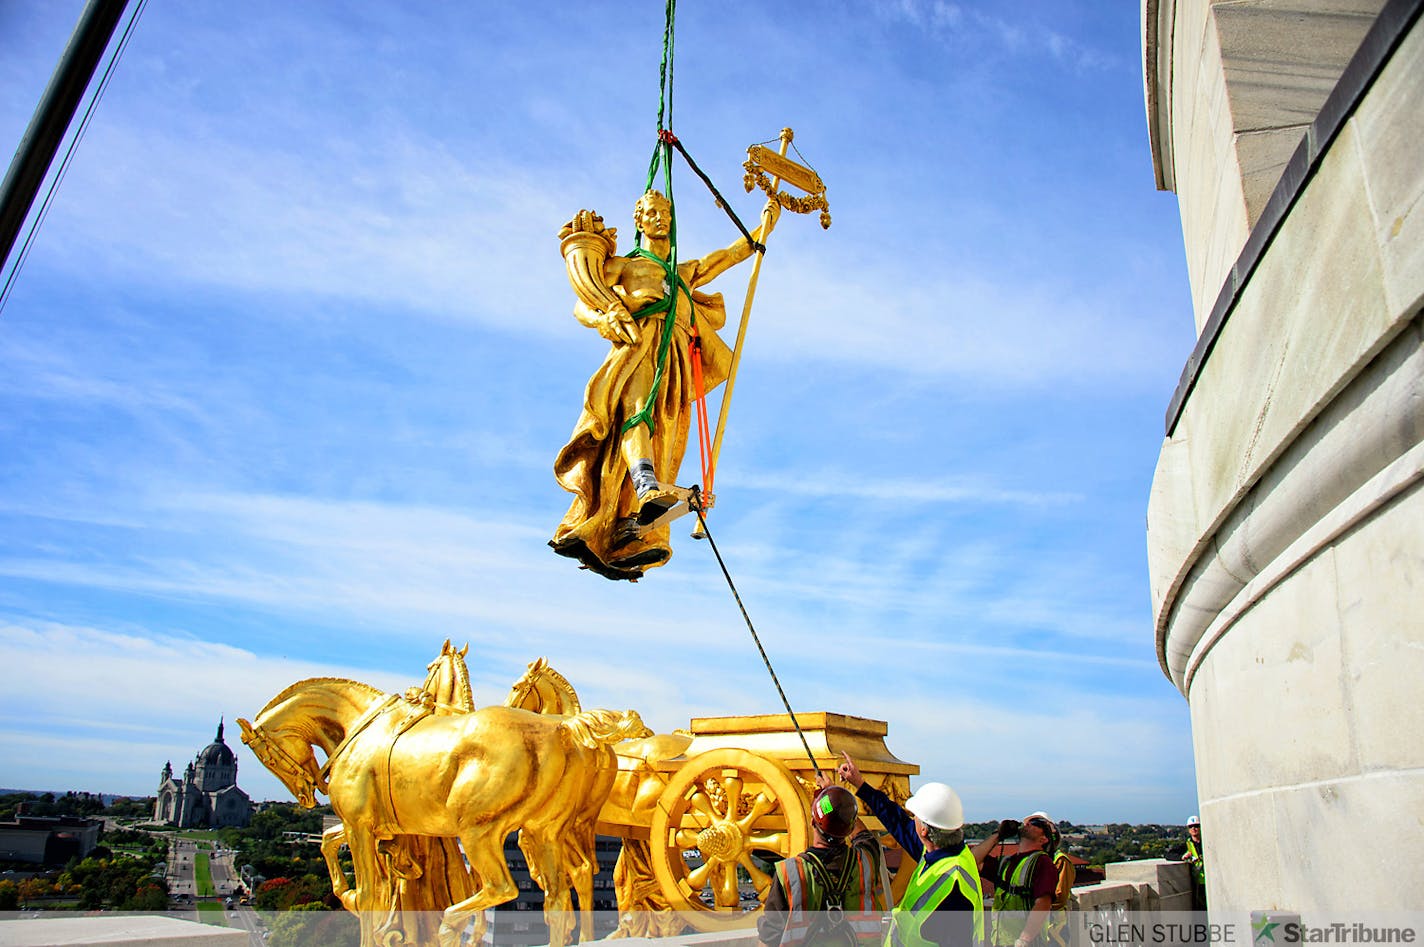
(929, 886)
(862, 905)
(1197, 865)
(1011, 908)
(1058, 916)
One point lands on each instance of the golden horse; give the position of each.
(543, 690)
(393, 769)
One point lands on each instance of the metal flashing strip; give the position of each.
(1389, 29)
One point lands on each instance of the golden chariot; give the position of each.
(703, 813)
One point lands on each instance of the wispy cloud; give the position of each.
(961, 490)
(288, 366)
(1024, 36)
(107, 690)
(119, 704)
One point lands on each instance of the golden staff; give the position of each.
(759, 162)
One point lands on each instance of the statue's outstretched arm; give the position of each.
(718, 262)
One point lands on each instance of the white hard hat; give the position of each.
(1194, 820)
(937, 805)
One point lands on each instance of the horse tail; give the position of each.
(595, 728)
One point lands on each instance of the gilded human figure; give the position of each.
(627, 447)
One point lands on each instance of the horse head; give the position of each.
(447, 680)
(543, 690)
(297, 770)
(313, 713)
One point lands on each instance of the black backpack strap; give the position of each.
(1025, 890)
(835, 891)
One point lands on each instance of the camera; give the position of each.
(1009, 828)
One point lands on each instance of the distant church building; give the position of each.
(207, 796)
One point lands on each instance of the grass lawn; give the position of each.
(198, 834)
(203, 876)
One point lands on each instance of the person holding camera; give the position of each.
(1024, 880)
(943, 904)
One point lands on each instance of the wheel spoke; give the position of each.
(702, 802)
(733, 788)
(760, 879)
(761, 805)
(770, 841)
(728, 899)
(684, 839)
(697, 877)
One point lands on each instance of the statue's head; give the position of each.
(652, 214)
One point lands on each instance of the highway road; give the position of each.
(182, 880)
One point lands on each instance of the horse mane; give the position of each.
(372, 691)
(558, 679)
(596, 728)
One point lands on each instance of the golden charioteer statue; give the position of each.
(622, 461)
(629, 441)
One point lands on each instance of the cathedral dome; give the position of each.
(216, 753)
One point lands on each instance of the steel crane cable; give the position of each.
(697, 508)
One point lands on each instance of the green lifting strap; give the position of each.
(662, 155)
(668, 305)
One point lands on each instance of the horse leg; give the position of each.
(372, 894)
(485, 850)
(553, 878)
(331, 841)
(585, 866)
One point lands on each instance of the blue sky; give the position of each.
(286, 370)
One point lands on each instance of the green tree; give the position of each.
(271, 893)
(152, 896)
(309, 925)
(126, 808)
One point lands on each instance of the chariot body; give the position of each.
(705, 813)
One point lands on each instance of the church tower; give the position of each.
(216, 765)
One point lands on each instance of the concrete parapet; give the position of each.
(128, 930)
(1165, 885)
(1148, 885)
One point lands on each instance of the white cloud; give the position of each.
(83, 701)
(970, 28)
(89, 704)
(470, 239)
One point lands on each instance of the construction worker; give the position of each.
(1024, 881)
(943, 904)
(832, 893)
(1194, 860)
(1055, 931)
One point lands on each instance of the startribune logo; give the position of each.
(1264, 929)
(1294, 932)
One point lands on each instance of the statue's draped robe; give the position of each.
(592, 467)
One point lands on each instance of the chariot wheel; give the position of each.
(719, 810)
